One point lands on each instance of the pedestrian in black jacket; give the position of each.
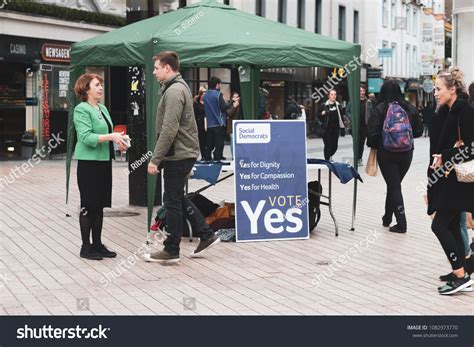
(393, 165)
(331, 116)
(428, 114)
(293, 110)
(446, 195)
(471, 94)
(200, 115)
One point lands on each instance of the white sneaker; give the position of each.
(161, 257)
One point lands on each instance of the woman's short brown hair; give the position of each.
(83, 84)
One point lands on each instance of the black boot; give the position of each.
(88, 252)
(104, 252)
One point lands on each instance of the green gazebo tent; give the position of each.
(210, 34)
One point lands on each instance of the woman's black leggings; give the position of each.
(446, 228)
(330, 139)
(394, 166)
(91, 219)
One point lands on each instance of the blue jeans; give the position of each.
(465, 234)
(177, 205)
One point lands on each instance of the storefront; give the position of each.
(17, 55)
(54, 77)
(34, 77)
(309, 86)
(413, 91)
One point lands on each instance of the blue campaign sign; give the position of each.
(270, 180)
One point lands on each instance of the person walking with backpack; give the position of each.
(451, 142)
(392, 127)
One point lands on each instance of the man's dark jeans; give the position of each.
(178, 205)
(215, 141)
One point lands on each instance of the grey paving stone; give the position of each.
(397, 274)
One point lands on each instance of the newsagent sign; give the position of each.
(56, 52)
(270, 180)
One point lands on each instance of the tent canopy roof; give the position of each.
(210, 34)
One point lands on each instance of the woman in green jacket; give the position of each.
(94, 151)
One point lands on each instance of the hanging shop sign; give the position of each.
(45, 107)
(428, 86)
(18, 49)
(55, 52)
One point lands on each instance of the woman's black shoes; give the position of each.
(447, 278)
(386, 222)
(397, 229)
(104, 252)
(88, 252)
(94, 252)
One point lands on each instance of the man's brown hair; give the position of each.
(83, 84)
(168, 57)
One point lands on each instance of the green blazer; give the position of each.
(89, 124)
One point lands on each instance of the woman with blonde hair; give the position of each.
(446, 195)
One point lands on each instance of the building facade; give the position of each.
(337, 19)
(396, 27)
(34, 73)
(463, 42)
(114, 7)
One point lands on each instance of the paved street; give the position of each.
(382, 273)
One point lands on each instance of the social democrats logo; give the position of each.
(253, 133)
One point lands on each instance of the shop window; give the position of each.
(12, 108)
(385, 12)
(282, 11)
(260, 8)
(356, 26)
(342, 23)
(301, 14)
(12, 84)
(317, 26)
(167, 6)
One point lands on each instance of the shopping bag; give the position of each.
(371, 167)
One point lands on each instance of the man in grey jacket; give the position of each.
(176, 151)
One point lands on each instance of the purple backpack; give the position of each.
(397, 133)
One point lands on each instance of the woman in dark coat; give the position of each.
(446, 196)
(393, 165)
(331, 116)
(200, 120)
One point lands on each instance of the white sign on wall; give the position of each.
(427, 53)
